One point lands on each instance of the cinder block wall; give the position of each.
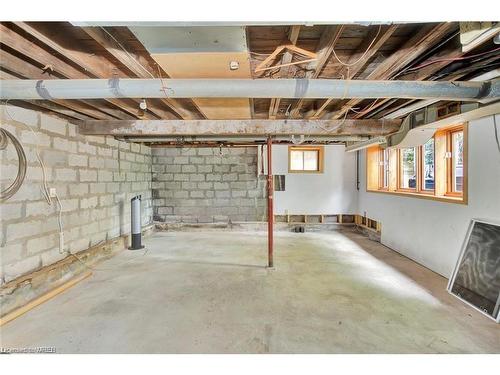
(95, 178)
(198, 185)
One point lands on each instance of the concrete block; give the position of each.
(65, 174)
(35, 138)
(104, 175)
(96, 162)
(86, 203)
(223, 194)
(16, 231)
(197, 194)
(13, 270)
(10, 211)
(172, 168)
(181, 194)
(26, 116)
(39, 244)
(197, 177)
(205, 185)
(64, 144)
(230, 177)
(208, 151)
(213, 177)
(188, 168)
(181, 177)
(221, 186)
(76, 160)
(88, 175)
(38, 208)
(205, 168)
(53, 125)
(181, 160)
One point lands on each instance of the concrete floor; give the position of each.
(209, 292)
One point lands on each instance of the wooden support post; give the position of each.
(270, 210)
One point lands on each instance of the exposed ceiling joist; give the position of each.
(93, 66)
(327, 43)
(12, 67)
(370, 45)
(137, 65)
(239, 127)
(414, 47)
(293, 36)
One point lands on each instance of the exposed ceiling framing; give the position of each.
(413, 52)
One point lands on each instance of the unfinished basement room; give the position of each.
(262, 187)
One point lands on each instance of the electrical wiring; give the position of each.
(458, 58)
(128, 54)
(44, 185)
(12, 189)
(362, 56)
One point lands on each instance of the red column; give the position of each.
(270, 209)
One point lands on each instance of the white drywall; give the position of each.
(432, 232)
(331, 192)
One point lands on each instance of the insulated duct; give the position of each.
(246, 88)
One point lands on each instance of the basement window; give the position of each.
(305, 159)
(408, 168)
(436, 170)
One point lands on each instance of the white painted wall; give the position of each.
(331, 192)
(432, 232)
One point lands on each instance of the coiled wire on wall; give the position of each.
(5, 136)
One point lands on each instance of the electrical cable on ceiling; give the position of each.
(458, 58)
(128, 54)
(362, 56)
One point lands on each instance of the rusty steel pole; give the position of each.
(270, 210)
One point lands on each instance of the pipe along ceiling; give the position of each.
(247, 88)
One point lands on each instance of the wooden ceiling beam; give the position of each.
(427, 37)
(446, 58)
(293, 36)
(239, 127)
(20, 68)
(327, 42)
(366, 50)
(78, 107)
(53, 110)
(138, 65)
(44, 58)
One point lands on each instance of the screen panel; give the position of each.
(477, 274)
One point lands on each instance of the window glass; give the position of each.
(458, 163)
(408, 176)
(428, 165)
(296, 161)
(384, 168)
(310, 160)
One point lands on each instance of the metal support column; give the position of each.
(270, 210)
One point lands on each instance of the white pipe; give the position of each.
(245, 88)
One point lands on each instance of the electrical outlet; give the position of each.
(52, 192)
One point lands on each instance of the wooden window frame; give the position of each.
(421, 172)
(442, 169)
(400, 164)
(318, 149)
(450, 170)
(382, 164)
